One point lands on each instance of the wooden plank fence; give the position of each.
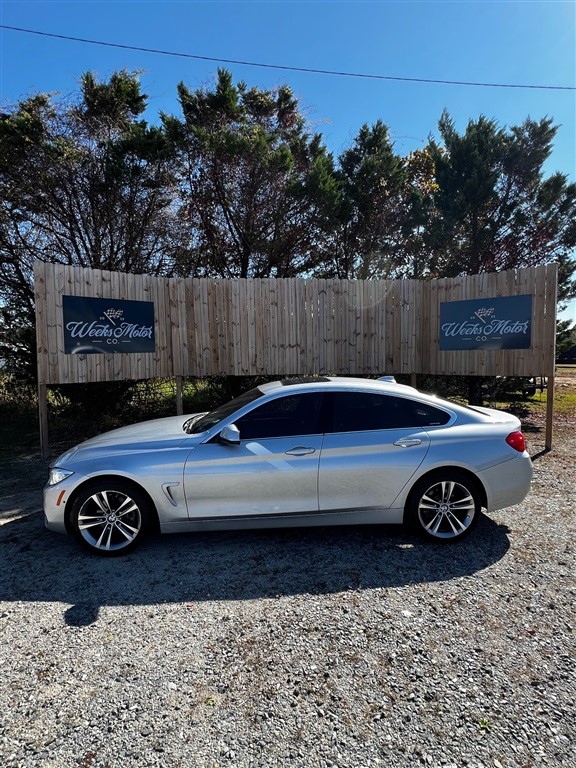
(290, 326)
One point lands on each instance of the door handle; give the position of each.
(408, 442)
(300, 450)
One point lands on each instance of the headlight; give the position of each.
(57, 475)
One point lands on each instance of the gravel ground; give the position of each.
(342, 647)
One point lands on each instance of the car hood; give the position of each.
(156, 434)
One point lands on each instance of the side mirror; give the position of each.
(230, 435)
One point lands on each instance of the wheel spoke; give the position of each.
(463, 504)
(456, 524)
(101, 501)
(84, 521)
(126, 530)
(435, 523)
(130, 507)
(430, 503)
(107, 529)
(447, 491)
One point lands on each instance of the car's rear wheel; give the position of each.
(110, 517)
(445, 506)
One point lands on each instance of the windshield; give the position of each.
(220, 413)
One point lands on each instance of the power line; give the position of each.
(285, 67)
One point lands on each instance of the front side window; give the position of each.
(362, 411)
(283, 417)
(223, 411)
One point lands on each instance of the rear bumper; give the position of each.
(508, 483)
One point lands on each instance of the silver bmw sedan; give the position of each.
(300, 452)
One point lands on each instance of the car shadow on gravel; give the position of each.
(43, 566)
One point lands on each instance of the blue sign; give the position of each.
(94, 326)
(500, 323)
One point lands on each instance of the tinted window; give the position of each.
(283, 417)
(360, 412)
(423, 415)
(212, 418)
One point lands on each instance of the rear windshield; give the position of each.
(223, 411)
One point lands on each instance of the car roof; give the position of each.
(340, 382)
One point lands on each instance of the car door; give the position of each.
(374, 445)
(272, 471)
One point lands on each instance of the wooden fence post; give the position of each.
(179, 405)
(549, 413)
(43, 419)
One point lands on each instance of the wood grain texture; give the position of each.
(290, 326)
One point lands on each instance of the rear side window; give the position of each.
(423, 414)
(361, 412)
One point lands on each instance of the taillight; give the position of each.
(517, 441)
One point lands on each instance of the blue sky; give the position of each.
(502, 42)
(506, 42)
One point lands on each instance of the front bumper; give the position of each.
(55, 497)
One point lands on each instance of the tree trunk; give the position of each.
(475, 390)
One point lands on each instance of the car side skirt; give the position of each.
(300, 520)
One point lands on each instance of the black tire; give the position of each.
(110, 517)
(444, 506)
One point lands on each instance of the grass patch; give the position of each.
(564, 403)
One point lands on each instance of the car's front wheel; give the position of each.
(110, 517)
(445, 506)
